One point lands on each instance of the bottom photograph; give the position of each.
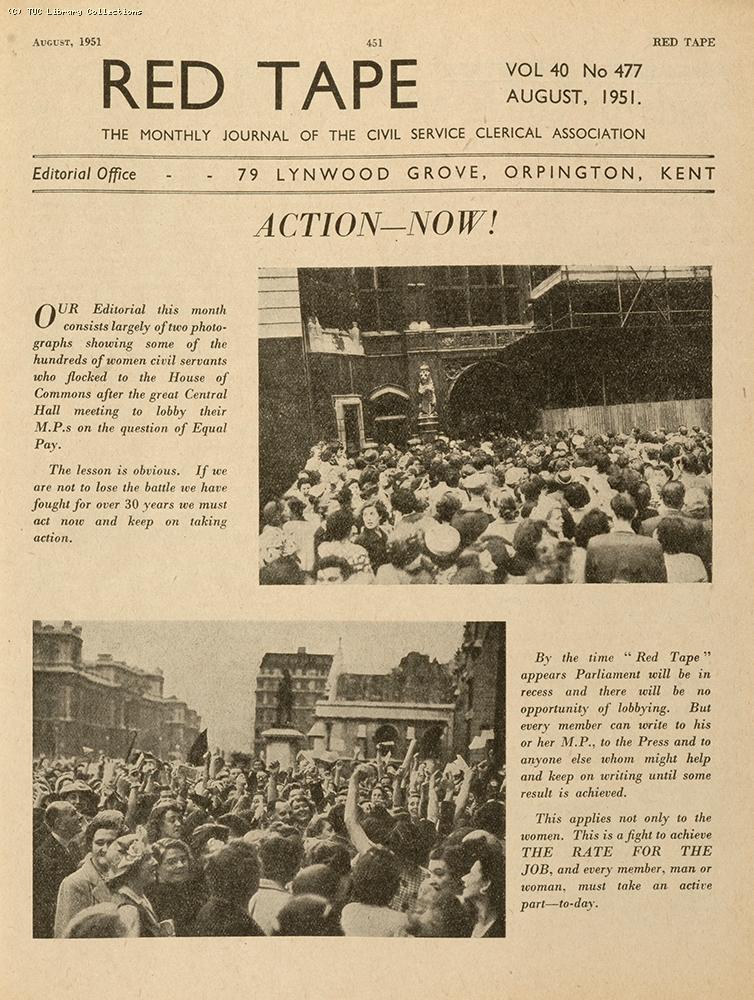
(203, 779)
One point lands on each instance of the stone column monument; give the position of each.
(283, 741)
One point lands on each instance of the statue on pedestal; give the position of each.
(427, 395)
(284, 711)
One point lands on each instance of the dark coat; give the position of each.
(496, 929)
(222, 918)
(51, 864)
(699, 536)
(624, 557)
(179, 903)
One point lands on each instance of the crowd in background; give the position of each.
(561, 507)
(386, 847)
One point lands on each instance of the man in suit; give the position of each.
(53, 861)
(623, 556)
(695, 517)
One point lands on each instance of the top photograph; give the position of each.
(485, 424)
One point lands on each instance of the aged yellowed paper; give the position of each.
(302, 296)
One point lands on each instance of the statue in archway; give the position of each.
(284, 710)
(426, 391)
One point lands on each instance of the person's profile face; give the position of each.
(474, 882)
(327, 831)
(147, 874)
(439, 875)
(69, 821)
(115, 851)
(77, 800)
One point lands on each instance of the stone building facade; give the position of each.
(308, 680)
(364, 711)
(479, 672)
(503, 345)
(101, 704)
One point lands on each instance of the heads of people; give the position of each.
(80, 795)
(132, 864)
(63, 820)
(376, 876)
(484, 882)
(442, 915)
(623, 508)
(104, 920)
(173, 861)
(233, 872)
(165, 821)
(300, 808)
(100, 833)
(280, 857)
(333, 569)
(308, 915)
(421, 510)
(447, 866)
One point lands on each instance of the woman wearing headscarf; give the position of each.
(179, 891)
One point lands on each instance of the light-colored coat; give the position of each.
(84, 888)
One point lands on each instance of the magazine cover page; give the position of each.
(303, 296)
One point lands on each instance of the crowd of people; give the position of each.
(381, 848)
(561, 507)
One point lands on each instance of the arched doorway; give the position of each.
(386, 738)
(430, 743)
(490, 397)
(389, 409)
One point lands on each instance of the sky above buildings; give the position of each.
(213, 665)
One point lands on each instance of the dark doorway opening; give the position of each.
(352, 428)
(389, 412)
(490, 398)
(386, 738)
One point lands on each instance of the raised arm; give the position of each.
(463, 792)
(356, 832)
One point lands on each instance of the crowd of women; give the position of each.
(512, 509)
(368, 848)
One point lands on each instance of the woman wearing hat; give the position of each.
(132, 873)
